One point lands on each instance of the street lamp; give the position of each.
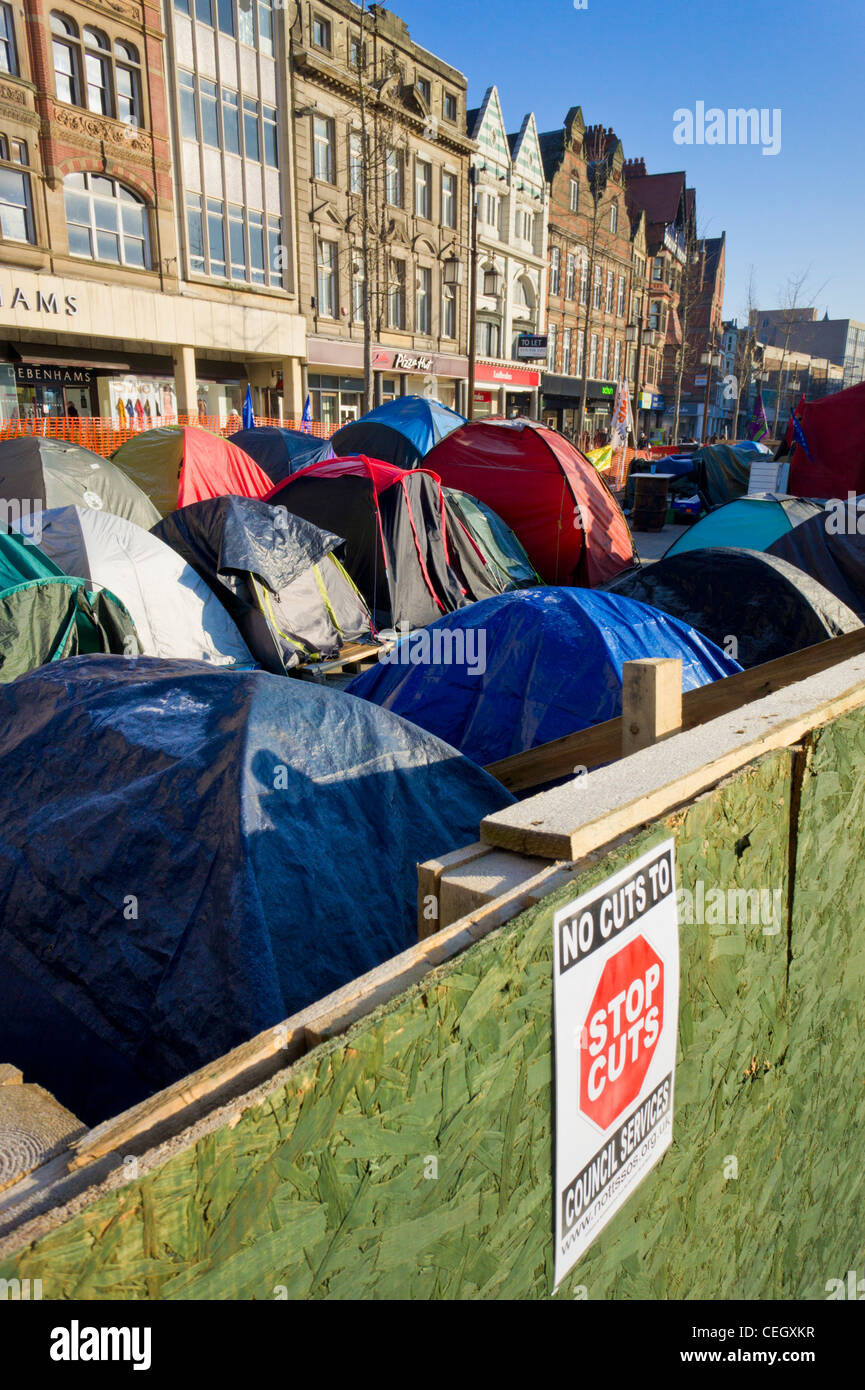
(452, 271)
(492, 281)
(709, 359)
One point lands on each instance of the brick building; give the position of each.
(705, 336)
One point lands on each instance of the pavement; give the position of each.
(651, 545)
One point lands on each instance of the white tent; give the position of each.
(175, 613)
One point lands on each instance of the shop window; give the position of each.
(105, 221)
(327, 280)
(16, 209)
(8, 52)
(449, 199)
(323, 139)
(423, 301)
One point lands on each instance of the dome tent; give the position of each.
(46, 615)
(179, 464)
(252, 810)
(748, 523)
(541, 486)
(174, 611)
(401, 431)
(830, 548)
(769, 606)
(53, 473)
(281, 452)
(504, 554)
(526, 667)
(276, 575)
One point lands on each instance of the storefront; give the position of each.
(651, 417)
(561, 406)
(335, 378)
(506, 390)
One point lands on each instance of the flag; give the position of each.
(799, 435)
(248, 416)
(306, 418)
(621, 416)
(759, 426)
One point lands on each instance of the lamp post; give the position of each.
(473, 292)
(710, 358)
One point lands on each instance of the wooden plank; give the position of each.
(33, 1128)
(651, 701)
(428, 880)
(571, 820)
(590, 748)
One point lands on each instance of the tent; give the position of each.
(174, 611)
(410, 558)
(546, 491)
(504, 554)
(46, 615)
(526, 667)
(53, 473)
(834, 430)
(400, 432)
(721, 472)
(830, 548)
(281, 452)
(196, 855)
(751, 523)
(179, 464)
(277, 576)
(767, 606)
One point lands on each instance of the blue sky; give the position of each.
(631, 65)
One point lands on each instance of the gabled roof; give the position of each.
(525, 149)
(660, 195)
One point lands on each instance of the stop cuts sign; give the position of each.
(621, 1031)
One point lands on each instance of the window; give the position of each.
(89, 72)
(450, 106)
(584, 280)
(275, 250)
(593, 355)
(271, 145)
(265, 27)
(97, 72)
(449, 311)
(449, 199)
(230, 121)
(188, 110)
(566, 352)
(424, 86)
(8, 55)
(356, 53)
(575, 195)
(488, 336)
(614, 218)
(571, 277)
(552, 346)
(525, 224)
(322, 134)
(357, 295)
(617, 361)
(67, 60)
(195, 232)
(596, 288)
(321, 32)
(620, 298)
(236, 243)
(225, 16)
(251, 141)
(245, 23)
(394, 178)
(127, 74)
(204, 11)
(581, 352)
(16, 212)
(216, 236)
(105, 221)
(605, 360)
(355, 162)
(655, 314)
(658, 268)
(423, 189)
(209, 112)
(423, 301)
(555, 269)
(608, 303)
(181, 6)
(327, 278)
(396, 295)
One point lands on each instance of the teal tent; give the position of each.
(748, 523)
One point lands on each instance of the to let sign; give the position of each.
(616, 1005)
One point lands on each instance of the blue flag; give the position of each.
(799, 435)
(248, 416)
(306, 418)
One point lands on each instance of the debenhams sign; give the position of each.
(39, 301)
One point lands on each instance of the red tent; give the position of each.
(546, 491)
(214, 467)
(834, 430)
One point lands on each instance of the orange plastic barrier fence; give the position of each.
(104, 435)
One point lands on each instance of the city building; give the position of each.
(841, 341)
(705, 406)
(783, 378)
(378, 124)
(512, 261)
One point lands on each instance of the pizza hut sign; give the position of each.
(409, 362)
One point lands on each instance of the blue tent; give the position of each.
(528, 666)
(749, 523)
(401, 432)
(281, 452)
(194, 855)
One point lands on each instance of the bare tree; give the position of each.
(792, 297)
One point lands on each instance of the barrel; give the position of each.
(650, 501)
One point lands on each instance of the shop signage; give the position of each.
(532, 347)
(616, 1009)
(27, 374)
(41, 302)
(700, 380)
(507, 376)
(403, 362)
(645, 400)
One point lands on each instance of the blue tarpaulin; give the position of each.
(528, 666)
(281, 452)
(400, 432)
(189, 856)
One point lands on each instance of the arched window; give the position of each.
(66, 49)
(127, 69)
(105, 221)
(523, 295)
(89, 72)
(97, 71)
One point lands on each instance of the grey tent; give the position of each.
(47, 473)
(276, 574)
(831, 549)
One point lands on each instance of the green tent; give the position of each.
(45, 614)
(505, 556)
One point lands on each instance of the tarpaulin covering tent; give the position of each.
(546, 491)
(768, 606)
(179, 464)
(174, 611)
(400, 432)
(721, 472)
(830, 548)
(505, 555)
(54, 473)
(750, 523)
(834, 430)
(45, 615)
(277, 575)
(281, 452)
(194, 856)
(409, 558)
(526, 667)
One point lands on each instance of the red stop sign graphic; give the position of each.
(621, 1031)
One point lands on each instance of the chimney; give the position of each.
(636, 168)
